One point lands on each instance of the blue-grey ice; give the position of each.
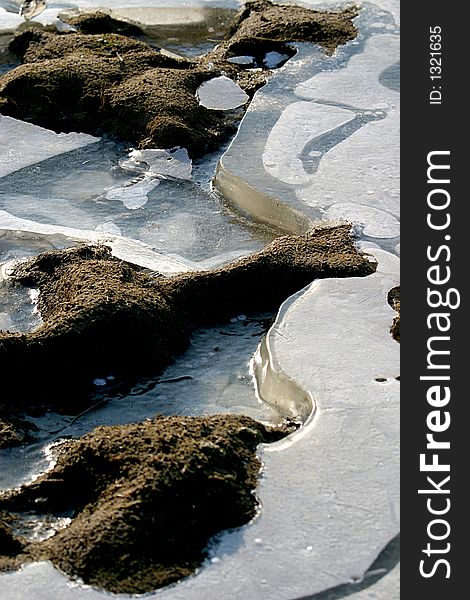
(221, 93)
(173, 162)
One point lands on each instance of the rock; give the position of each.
(146, 498)
(102, 22)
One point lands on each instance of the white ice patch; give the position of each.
(24, 144)
(221, 93)
(173, 163)
(133, 195)
(131, 250)
(333, 139)
(299, 123)
(153, 164)
(63, 27)
(6, 323)
(108, 228)
(374, 222)
(9, 15)
(358, 84)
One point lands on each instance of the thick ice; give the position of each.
(133, 195)
(283, 155)
(173, 163)
(372, 178)
(273, 59)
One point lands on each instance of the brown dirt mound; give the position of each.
(262, 23)
(11, 548)
(103, 316)
(102, 22)
(98, 81)
(110, 83)
(146, 499)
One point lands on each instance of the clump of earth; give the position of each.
(102, 79)
(145, 499)
(104, 316)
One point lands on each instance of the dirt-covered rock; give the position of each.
(11, 548)
(102, 316)
(145, 499)
(263, 24)
(102, 22)
(112, 84)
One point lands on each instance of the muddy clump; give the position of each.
(263, 24)
(102, 316)
(102, 22)
(145, 499)
(394, 301)
(110, 84)
(100, 82)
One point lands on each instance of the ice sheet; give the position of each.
(324, 131)
(23, 144)
(148, 197)
(221, 93)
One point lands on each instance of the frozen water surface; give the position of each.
(148, 197)
(18, 304)
(18, 310)
(24, 144)
(212, 376)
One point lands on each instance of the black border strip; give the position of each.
(433, 119)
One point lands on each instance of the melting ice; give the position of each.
(221, 93)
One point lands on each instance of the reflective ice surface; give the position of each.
(221, 93)
(323, 136)
(100, 189)
(24, 144)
